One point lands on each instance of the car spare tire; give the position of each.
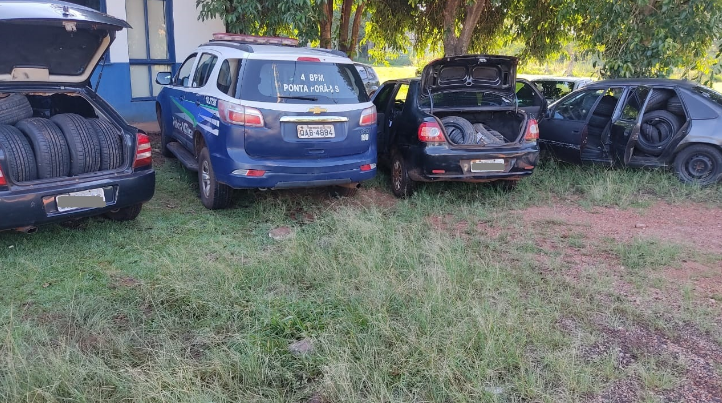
(14, 108)
(458, 130)
(49, 145)
(658, 99)
(83, 144)
(111, 151)
(485, 135)
(19, 155)
(657, 131)
(674, 105)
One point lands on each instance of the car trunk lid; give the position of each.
(470, 72)
(55, 42)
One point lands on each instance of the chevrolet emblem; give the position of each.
(316, 110)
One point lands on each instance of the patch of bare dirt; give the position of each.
(120, 281)
(694, 225)
(705, 281)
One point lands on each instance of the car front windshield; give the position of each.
(466, 99)
(302, 82)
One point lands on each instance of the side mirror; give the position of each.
(163, 78)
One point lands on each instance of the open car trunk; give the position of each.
(47, 136)
(504, 127)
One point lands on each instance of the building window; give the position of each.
(150, 45)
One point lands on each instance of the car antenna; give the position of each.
(100, 75)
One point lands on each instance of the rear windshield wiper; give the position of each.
(303, 98)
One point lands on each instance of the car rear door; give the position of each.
(625, 128)
(563, 129)
(381, 100)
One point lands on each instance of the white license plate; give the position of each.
(315, 131)
(93, 198)
(495, 165)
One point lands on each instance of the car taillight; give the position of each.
(430, 132)
(235, 114)
(368, 116)
(143, 155)
(3, 181)
(308, 59)
(532, 131)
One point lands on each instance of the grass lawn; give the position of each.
(448, 296)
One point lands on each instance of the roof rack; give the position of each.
(254, 39)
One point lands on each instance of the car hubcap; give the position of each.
(397, 175)
(206, 178)
(700, 166)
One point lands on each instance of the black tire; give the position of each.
(214, 195)
(675, 106)
(14, 108)
(598, 121)
(50, 147)
(401, 185)
(505, 186)
(657, 131)
(164, 139)
(606, 106)
(485, 135)
(19, 155)
(111, 148)
(124, 214)
(658, 99)
(699, 164)
(83, 144)
(458, 130)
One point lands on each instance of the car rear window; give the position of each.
(710, 94)
(553, 89)
(455, 99)
(302, 82)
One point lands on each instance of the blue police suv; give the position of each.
(251, 112)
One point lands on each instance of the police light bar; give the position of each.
(259, 40)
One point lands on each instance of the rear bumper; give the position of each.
(284, 174)
(456, 164)
(33, 205)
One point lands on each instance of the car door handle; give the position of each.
(198, 103)
(182, 97)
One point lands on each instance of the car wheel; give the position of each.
(51, 149)
(699, 164)
(14, 108)
(124, 214)
(505, 186)
(657, 131)
(111, 150)
(164, 138)
(674, 105)
(458, 129)
(401, 185)
(83, 144)
(214, 195)
(19, 155)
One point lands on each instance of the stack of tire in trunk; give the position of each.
(65, 145)
(663, 117)
(461, 131)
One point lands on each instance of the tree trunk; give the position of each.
(326, 23)
(355, 29)
(343, 44)
(459, 45)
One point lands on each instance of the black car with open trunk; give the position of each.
(65, 154)
(461, 121)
